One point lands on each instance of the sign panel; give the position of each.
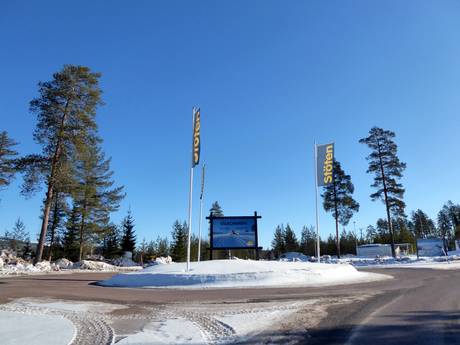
(233, 232)
(324, 163)
(430, 247)
(196, 138)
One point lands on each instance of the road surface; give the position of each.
(418, 306)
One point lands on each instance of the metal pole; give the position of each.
(316, 199)
(190, 199)
(201, 214)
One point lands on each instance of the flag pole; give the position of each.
(190, 199)
(201, 212)
(316, 199)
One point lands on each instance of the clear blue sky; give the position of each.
(270, 78)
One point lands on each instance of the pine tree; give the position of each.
(423, 226)
(371, 234)
(70, 237)
(128, 241)
(308, 241)
(162, 247)
(18, 234)
(111, 242)
(179, 242)
(95, 196)
(66, 110)
(290, 240)
(337, 199)
(445, 225)
(278, 245)
(453, 212)
(7, 159)
(216, 210)
(387, 168)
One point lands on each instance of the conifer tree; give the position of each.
(161, 247)
(128, 240)
(70, 237)
(111, 242)
(338, 199)
(444, 224)
(7, 159)
(387, 168)
(423, 226)
(17, 235)
(278, 245)
(308, 241)
(95, 196)
(179, 242)
(216, 210)
(66, 110)
(290, 240)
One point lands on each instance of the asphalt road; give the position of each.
(418, 306)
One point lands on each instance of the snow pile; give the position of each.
(163, 260)
(241, 273)
(64, 263)
(294, 256)
(124, 262)
(94, 266)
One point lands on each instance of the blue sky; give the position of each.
(270, 78)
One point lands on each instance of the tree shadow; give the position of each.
(418, 327)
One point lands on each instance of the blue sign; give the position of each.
(233, 232)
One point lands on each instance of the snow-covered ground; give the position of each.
(56, 322)
(450, 262)
(241, 273)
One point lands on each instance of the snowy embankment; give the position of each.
(11, 265)
(449, 262)
(242, 273)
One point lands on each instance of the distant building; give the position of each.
(373, 250)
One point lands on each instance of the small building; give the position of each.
(373, 250)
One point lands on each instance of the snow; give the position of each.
(171, 331)
(450, 262)
(20, 329)
(241, 273)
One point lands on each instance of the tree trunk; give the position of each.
(390, 225)
(46, 213)
(53, 226)
(337, 240)
(82, 225)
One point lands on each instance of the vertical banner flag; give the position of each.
(202, 182)
(324, 164)
(196, 138)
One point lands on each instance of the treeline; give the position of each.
(406, 230)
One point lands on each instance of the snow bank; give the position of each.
(124, 262)
(241, 273)
(64, 263)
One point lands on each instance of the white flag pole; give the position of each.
(201, 212)
(190, 198)
(316, 199)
